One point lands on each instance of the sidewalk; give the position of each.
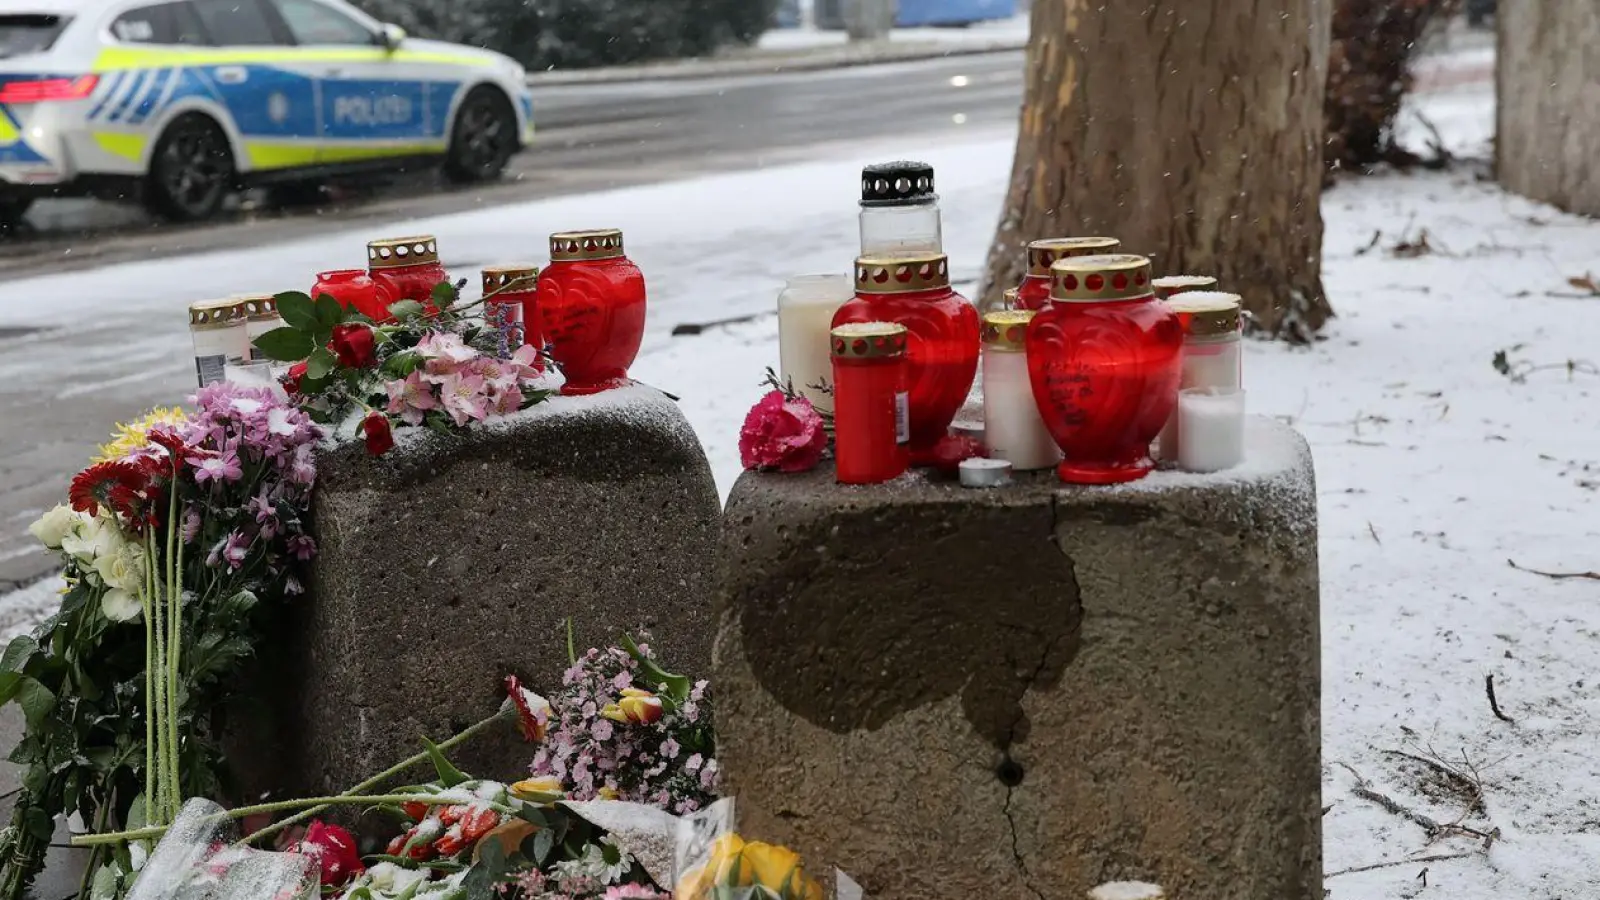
(808, 50)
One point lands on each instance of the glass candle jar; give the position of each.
(1104, 359)
(805, 315)
(1034, 291)
(899, 210)
(1013, 429)
(510, 304)
(1167, 285)
(591, 302)
(406, 268)
(261, 316)
(871, 423)
(942, 346)
(217, 328)
(354, 289)
(1212, 352)
(1212, 422)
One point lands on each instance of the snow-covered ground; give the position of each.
(1013, 29)
(1435, 470)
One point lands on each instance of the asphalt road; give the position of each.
(590, 138)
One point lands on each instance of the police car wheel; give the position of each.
(484, 137)
(191, 171)
(12, 209)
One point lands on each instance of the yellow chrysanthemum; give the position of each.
(135, 435)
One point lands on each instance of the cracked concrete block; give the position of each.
(455, 561)
(1033, 691)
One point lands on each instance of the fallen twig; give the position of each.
(1494, 705)
(1468, 785)
(1558, 576)
(1439, 857)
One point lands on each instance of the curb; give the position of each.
(773, 64)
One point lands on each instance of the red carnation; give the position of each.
(291, 379)
(355, 346)
(782, 434)
(380, 439)
(335, 850)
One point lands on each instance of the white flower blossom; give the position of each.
(54, 526)
(123, 568)
(120, 606)
(94, 537)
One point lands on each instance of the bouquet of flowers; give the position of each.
(437, 366)
(186, 523)
(623, 728)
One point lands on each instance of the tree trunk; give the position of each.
(1547, 144)
(1190, 129)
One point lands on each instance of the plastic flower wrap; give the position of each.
(716, 863)
(195, 860)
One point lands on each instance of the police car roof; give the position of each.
(51, 7)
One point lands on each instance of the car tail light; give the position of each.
(41, 90)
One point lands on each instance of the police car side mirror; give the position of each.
(391, 36)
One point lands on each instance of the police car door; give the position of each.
(272, 99)
(372, 102)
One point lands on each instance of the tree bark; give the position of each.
(1190, 129)
(1547, 144)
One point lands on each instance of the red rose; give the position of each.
(375, 427)
(354, 345)
(291, 379)
(782, 434)
(335, 849)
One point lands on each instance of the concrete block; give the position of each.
(1032, 691)
(454, 561)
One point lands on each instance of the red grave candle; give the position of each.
(406, 269)
(1034, 291)
(591, 305)
(354, 289)
(510, 304)
(871, 423)
(942, 344)
(1104, 358)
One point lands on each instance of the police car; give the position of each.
(180, 102)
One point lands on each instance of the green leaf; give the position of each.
(37, 702)
(329, 312)
(406, 309)
(285, 344)
(21, 649)
(402, 364)
(485, 876)
(445, 294)
(107, 881)
(320, 363)
(449, 775)
(543, 842)
(297, 310)
(677, 687)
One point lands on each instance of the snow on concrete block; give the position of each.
(1030, 691)
(454, 561)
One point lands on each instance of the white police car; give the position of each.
(179, 102)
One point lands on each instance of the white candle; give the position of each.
(805, 316)
(1212, 352)
(1013, 430)
(1211, 421)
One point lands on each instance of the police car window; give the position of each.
(28, 33)
(313, 23)
(165, 23)
(235, 22)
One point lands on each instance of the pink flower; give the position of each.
(632, 892)
(222, 468)
(462, 396)
(437, 346)
(302, 547)
(786, 435)
(525, 362)
(410, 397)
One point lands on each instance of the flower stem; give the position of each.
(175, 651)
(155, 667)
(156, 831)
(393, 771)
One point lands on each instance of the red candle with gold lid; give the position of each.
(591, 302)
(1034, 291)
(942, 345)
(1104, 358)
(510, 303)
(871, 422)
(406, 268)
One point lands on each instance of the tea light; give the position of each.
(1211, 421)
(1127, 890)
(969, 428)
(985, 473)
